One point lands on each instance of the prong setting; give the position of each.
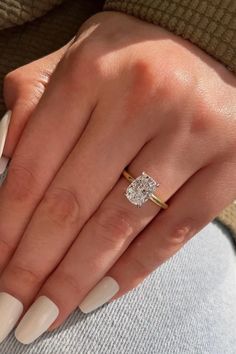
(140, 190)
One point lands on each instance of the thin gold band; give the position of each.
(153, 197)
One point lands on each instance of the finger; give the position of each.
(190, 209)
(79, 187)
(23, 89)
(76, 191)
(44, 145)
(110, 230)
(73, 196)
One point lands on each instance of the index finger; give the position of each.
(49, 136)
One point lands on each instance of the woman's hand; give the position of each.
(23, 89)
(125, 93)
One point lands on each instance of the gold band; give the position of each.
(153, 197)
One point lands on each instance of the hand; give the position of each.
(23, 89)
(125, 93)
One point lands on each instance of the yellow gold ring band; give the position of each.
(146, 182)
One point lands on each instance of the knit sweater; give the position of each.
(209, 24)
(17, 12)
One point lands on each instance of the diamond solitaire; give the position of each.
(141, 189)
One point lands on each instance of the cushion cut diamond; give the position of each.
(141, 189)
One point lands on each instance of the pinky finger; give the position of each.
(193, 206)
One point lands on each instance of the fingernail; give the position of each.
(4, 124)
(100, 294)
(3, 164)
(37, 320)
(10, 312)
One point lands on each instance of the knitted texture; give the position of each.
(228, 218)
(211, 24)
(17, 12)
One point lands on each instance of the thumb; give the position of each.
(23, 89)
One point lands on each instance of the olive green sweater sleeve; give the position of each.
(210, 24)
(17, 12)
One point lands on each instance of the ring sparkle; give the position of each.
(141, 189)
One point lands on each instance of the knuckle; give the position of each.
(16, 82)
(87, 51)
(83, 61)
(174, 88)
(142, 70)
(143, 90)
(6, 248)
(143, 79)
(181, 232)
(115, 225)
(21, 183)
(150, 87)
(61, 206)
(141, 267)
(204, 118)
(6, 251)
(12, 80)
(68, 280)
(12, 85)
(24, 77)
(24, 90)
(181, 78)
(23, 274)
(175, 85)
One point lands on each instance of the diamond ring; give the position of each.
(141, 189)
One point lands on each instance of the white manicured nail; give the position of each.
(10, 312)
(4, 124)
(99, 295)
(37, 320)
(3, 164)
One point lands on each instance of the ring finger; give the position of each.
(102, 241)
(70, 200)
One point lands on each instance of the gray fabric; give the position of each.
(186, 306)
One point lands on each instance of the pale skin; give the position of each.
(125, 93)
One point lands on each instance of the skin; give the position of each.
(125, 92)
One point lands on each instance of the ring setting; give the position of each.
(141, 189)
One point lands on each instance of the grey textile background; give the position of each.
(187, 306)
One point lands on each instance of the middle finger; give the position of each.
(109, 232)
(45, 143)
(79, 187)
